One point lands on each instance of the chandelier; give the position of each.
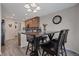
(31, 7)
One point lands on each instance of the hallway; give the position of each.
(11, 48)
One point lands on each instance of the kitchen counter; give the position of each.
(22, 39)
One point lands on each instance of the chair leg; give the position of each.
(27, 48)
(43, 53)
(61, 50)
(65, 50)
(32, 47)
(39, 51)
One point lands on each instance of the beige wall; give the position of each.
(70, 20)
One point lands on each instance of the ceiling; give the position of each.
(18, 10)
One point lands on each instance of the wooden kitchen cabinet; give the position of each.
(33, 22)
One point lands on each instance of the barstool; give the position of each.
(30, 40)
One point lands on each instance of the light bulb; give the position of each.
(35, 11)
(27, 6)
(38, 8)
(29, 10)
(33, 5)
(26, 14)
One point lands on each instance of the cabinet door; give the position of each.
(34, 22)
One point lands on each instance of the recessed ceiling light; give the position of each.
(13, 14)
(29, 10)
(26, 14)
(26, 6)
(35, 11)
(33, 5)
(38, 8)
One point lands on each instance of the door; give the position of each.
(2, 32)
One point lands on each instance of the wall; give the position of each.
(70, 20)
(0, 29)
(10, 32)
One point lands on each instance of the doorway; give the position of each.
(9, 37)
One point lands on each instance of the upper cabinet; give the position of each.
(33, 22)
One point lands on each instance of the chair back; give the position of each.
(59, 42)
(62, 39)
(65, 35)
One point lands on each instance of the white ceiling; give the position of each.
(8, 9)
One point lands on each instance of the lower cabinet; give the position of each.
(22, 40)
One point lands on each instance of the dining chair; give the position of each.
(54, 47)
(65, 34)
(30, 41)
(65, 40)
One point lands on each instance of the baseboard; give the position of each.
(75, 52)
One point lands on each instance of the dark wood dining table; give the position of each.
(37, 36)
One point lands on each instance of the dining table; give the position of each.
(37, 36)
